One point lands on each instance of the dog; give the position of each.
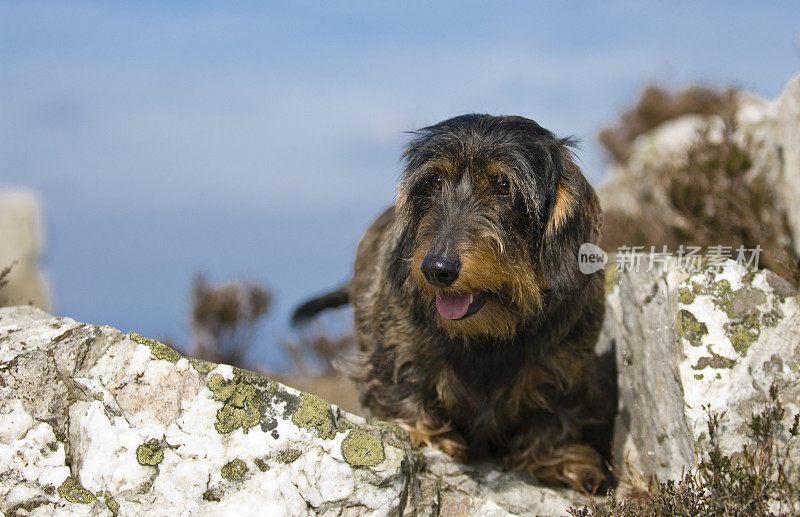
(475, 325)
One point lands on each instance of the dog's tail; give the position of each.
(314, 306)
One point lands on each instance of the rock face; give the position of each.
(716, 339)
(21, 246)
(787, 144)
(96, 422)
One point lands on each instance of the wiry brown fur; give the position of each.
(517, 377)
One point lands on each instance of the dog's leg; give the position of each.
(385, 401)
(546, 457)
(425, 431)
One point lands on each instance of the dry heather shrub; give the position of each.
(4, 282)
(753, 481)
(655, 106)
(224, 319)
(717, 198)
(722, 203)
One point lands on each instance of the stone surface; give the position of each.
(638, 326)
(21, 245)
(450, 488)
(787, 143)
(95, 422)
(687, 343)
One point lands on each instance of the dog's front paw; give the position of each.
(575, 465)
(442, 438)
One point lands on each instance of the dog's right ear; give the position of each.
(575, 218)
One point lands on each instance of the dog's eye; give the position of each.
(501, 186)
(436, 182)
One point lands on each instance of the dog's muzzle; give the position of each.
(442, 272)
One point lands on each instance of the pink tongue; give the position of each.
(452, 306)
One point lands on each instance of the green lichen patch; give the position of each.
(234, 470)
(212, 495)
(111, 503)
(689, 327)
(202, 367)
(793, 359)
(27, 507)
(314, 413)
(157, 348)
(222, 389)
(361, 449)
(685, 296)
(392, 434)
(288, 456)
(290, 402)
(698, 376)
(150, 453)
(772, 318)
(715, 361)
(72, 491)
(612, 278)
(343, 424)
(261, 464)
(145, 487)
(721, 293)
(242, 404)
(743, 333)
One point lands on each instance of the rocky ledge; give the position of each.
(97, 422)
(690, 344)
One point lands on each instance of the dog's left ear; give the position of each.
(575, 218)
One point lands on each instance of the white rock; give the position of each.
(16, 423)
(149, 432)
(787, 141)
(732, 334)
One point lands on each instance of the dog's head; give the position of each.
(493, 211)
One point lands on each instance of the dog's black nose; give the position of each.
(440, 271)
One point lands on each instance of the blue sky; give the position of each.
(257, 140)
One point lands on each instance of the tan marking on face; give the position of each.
(443, 167)
(494, 171)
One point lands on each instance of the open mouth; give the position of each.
(459, 306)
